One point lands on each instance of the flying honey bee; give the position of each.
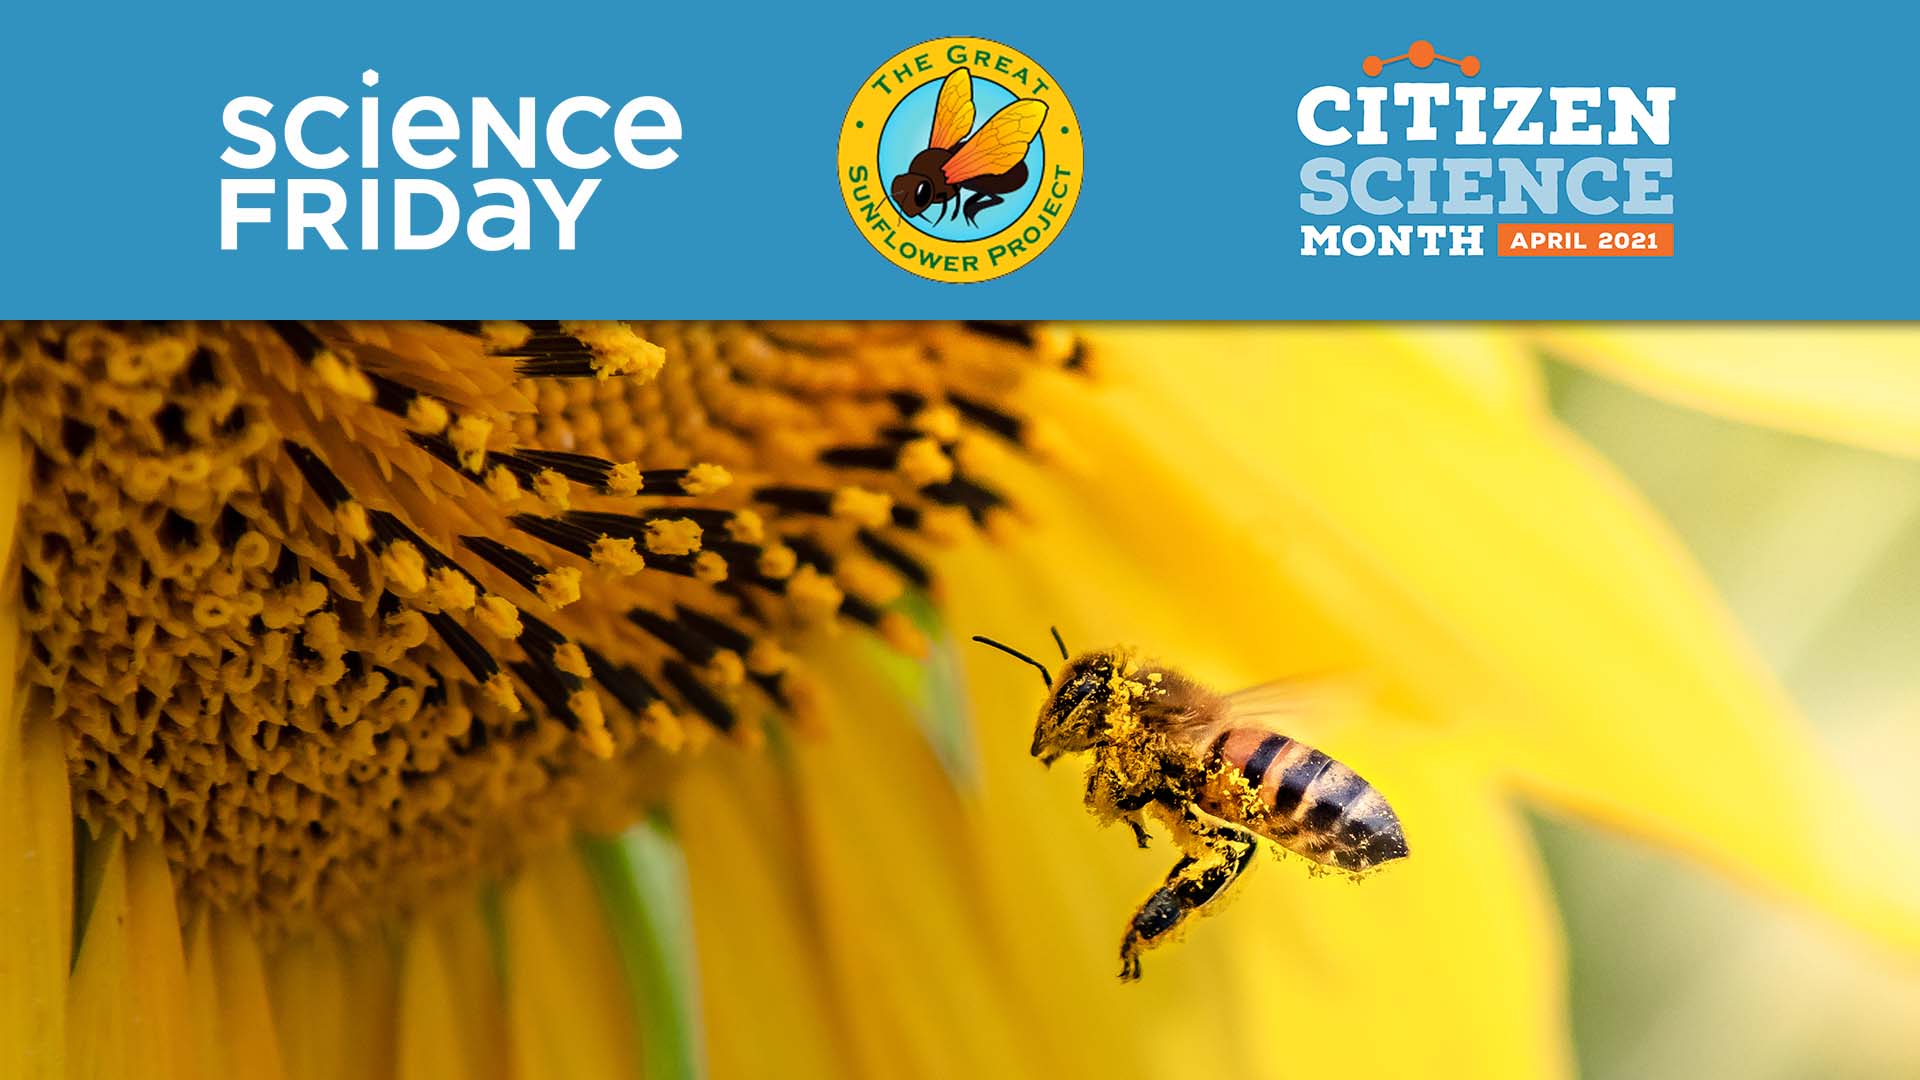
(990, 162)
(1214, 770)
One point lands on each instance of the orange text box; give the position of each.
(1585, 238)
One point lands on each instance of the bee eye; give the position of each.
(922, 190)
(1080, 689)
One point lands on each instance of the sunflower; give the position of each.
(583, 699)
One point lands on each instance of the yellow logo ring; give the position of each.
(984, 159)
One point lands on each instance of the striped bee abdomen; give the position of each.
(1301, 799)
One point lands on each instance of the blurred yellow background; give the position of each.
(1815, 547)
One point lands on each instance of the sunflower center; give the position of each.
(345, 611)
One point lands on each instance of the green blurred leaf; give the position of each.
(933, 688)
(643, 883)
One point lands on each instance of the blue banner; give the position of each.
(1078, 161)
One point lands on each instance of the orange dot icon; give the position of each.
(1421, 54)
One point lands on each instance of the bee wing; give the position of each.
(1000, 144)
(1279, 705)
(952, 110)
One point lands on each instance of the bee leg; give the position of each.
(980, 201)
(1107, 799)
(1186, 890)
(1161, 913)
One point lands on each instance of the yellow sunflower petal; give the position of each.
(203, 1003)
(36, 894)
(320, 1005)
(568, 1009)
(902, 919)
(1506, 580)
(246, 1030)
(126, 1001)
(765, 1003)
(431, 1042)
(36, 862)
(97, 1035)
(1851, 384)
(467, 950)
(159, 959)
(309, 996)
(1491, 362)
(369, 969)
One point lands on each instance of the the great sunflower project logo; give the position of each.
(960, 159)
(1620, 198)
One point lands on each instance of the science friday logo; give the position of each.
(421, 173)
(960, 159)
(1421, 164)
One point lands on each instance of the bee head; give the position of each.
(1075, 711)
(1075, 714)
(913, 193)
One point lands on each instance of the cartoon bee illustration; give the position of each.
(1213, 769)
(989, 163)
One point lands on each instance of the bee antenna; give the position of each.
(1057, 640)
(1018, 655)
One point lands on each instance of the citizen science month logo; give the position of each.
(1412, 164)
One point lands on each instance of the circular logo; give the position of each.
(960, 159)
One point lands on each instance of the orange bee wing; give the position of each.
(1000, 144)
(952, 111)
